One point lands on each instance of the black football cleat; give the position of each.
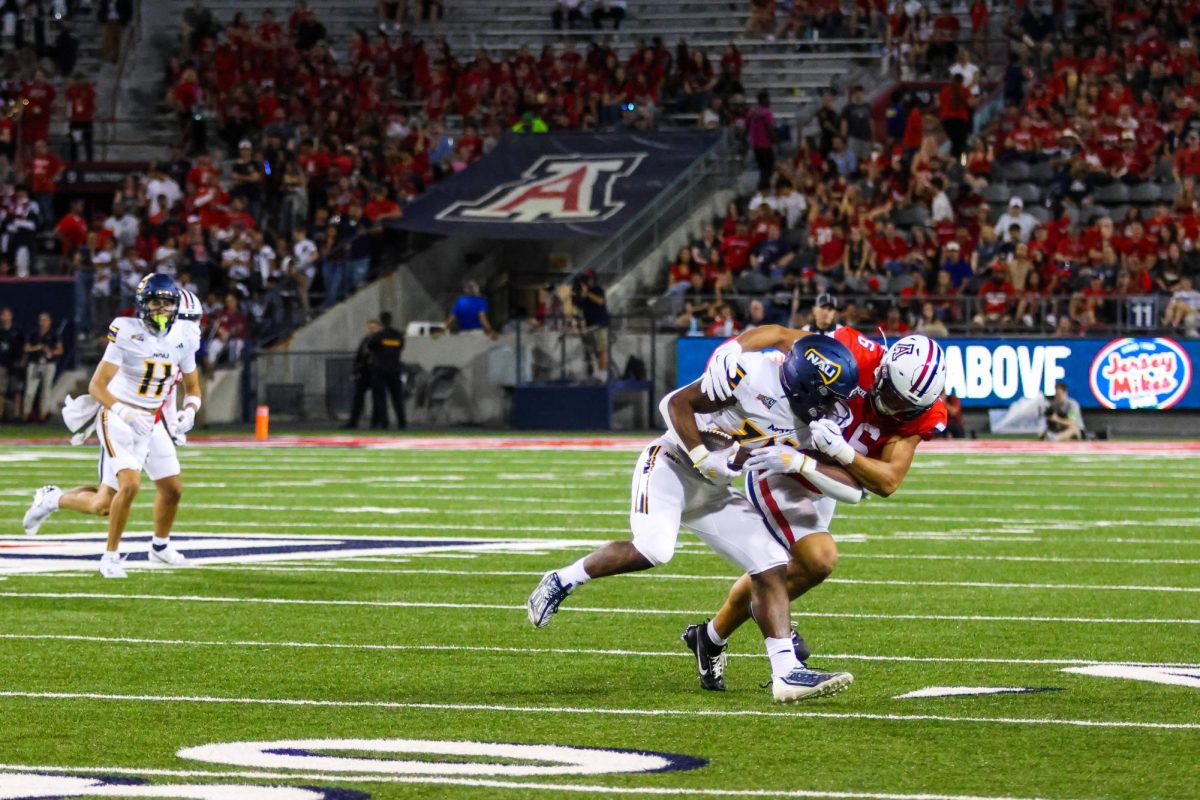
(710, 658)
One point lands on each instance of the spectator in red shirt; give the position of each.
(230, 335)
(914, 132)
(72, 229)
(81, 113)
(380, 206)
(1087, 305)
(1187, 158)
(37, 97)
(954, 110)
(894, 324)
(679, 275)
(43, 172)
(735, 248)
(979, 23)
(944, 46)
(187, 98)
(995, 298)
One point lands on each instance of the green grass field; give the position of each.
(985, 570)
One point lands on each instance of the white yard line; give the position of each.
(627, 712)
(726, 579)
(1033, 559)
(618, 503)
(578, 609)
(539, 651)
(321, 778)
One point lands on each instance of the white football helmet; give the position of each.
(190, 307)
(910, 378)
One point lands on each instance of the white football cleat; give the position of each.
(167, 555)
(41, 509)
(114, 568)
(803, 683)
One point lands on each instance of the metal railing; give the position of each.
(320, 385)
(960, 314)
(714, 170)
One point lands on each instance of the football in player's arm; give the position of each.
(880, 468)
(680, 480)
(874, 434)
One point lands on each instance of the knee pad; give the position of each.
(654, 537)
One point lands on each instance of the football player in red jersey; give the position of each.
(874, 435)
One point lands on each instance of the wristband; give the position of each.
(192, 400)
(697, 454)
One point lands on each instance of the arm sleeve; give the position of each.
(835, 489)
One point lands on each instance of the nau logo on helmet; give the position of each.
(828, 369)
(555, 189)
(1141, 373)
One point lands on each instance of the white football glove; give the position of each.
(717, 384)
(185, 420)
(140, 422)
(778, 460)
(827, 438)
(714, 464)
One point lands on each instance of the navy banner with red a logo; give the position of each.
(556, 186)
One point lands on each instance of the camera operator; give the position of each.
(1064, 420)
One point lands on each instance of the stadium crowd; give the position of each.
(1072, 209)
(317, 144)
(295, 151)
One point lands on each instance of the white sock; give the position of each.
(110, 556)
(159, 543)
(782, 655)
(715, 637)
(575, 574)
(52, 498)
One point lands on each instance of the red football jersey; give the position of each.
(866, 429)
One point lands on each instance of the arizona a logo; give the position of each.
(568, 188)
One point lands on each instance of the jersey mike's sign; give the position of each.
(556, 186)
(1141, 373)
(1128, 373)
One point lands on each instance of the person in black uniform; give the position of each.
(362, 373)
(385, 347)
(12, 356)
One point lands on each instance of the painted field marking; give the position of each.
(617, 505)
(623, 712)
(542, 786)
(572, 651)
(726, 579)
(25, 555)
(575, 609)
(970, 691)
(1172, 676)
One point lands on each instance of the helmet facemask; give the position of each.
(160, 313)
(888, 401)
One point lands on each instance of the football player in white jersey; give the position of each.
(679, 481)
(144, 359)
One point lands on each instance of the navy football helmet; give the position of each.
(817, 373)
(157, 287)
